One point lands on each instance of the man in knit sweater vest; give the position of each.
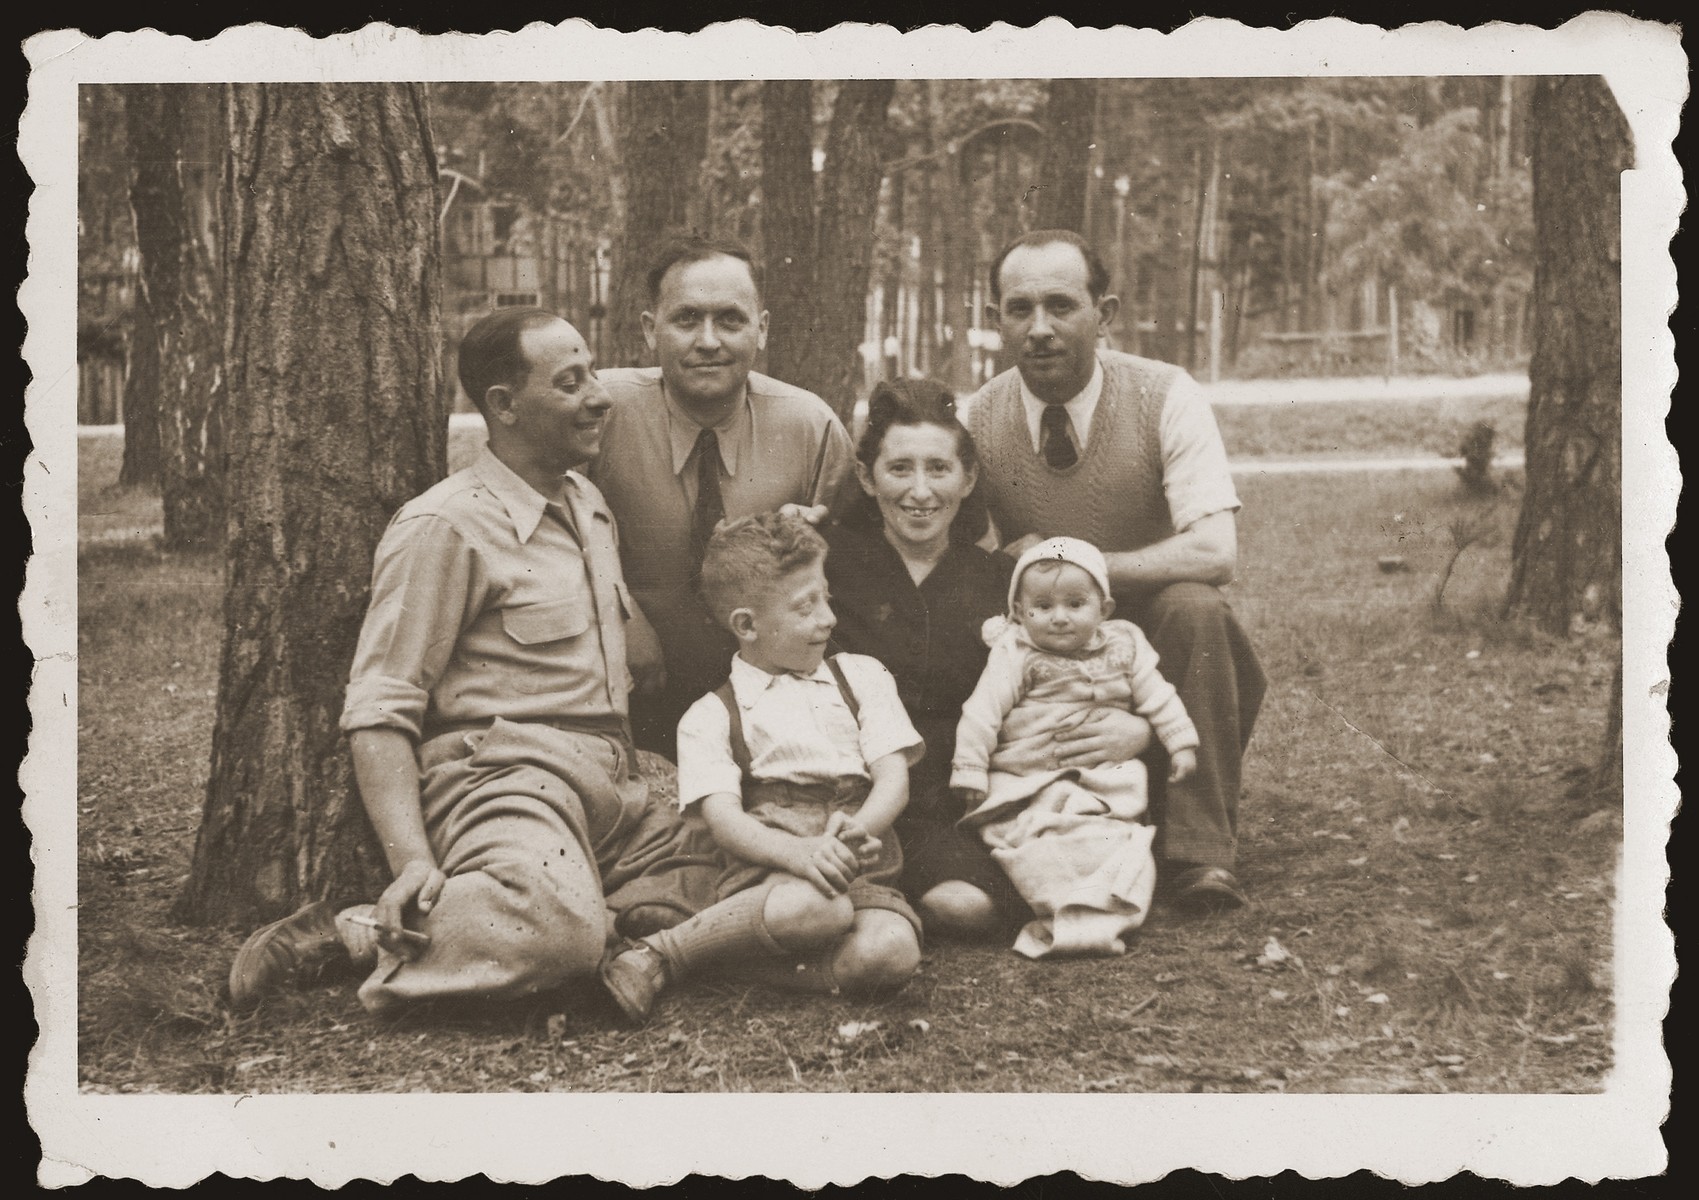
(1124, 453)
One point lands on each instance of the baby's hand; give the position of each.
(971, 798)
(1182, 764)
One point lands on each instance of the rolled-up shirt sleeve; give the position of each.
(1195, 474)
(423, 581)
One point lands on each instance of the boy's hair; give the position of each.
(747, 556)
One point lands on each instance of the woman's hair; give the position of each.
(918, 402)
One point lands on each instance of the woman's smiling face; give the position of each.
(919, 482)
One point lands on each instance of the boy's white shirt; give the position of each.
(797, 728)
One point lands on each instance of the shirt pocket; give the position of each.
(549, 621)
(626, 607)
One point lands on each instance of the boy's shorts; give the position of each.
(803, 810)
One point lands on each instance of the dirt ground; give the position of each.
(1432, 875)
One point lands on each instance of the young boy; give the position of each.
(799, 765)
(1071, 841)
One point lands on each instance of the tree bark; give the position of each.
(335, 418)
(664, 139)
(1566, 557)
(140, 467)
(857, 145)
(1069, 126)
(787, 221)
(176, 138)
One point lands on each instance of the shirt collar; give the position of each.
(682, 432)
(524, 504)
(750, 681)
(1080, 409)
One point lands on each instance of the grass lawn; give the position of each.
(1370, 428)
(1432, 880)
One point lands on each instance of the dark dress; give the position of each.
(928, 638)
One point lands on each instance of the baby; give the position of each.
(1071, 840)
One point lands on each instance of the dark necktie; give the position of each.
(1054, 436)
(710, 508)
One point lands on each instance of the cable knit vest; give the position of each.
(1113, 496)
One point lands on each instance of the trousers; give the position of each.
(1207, 656)
(546, 836)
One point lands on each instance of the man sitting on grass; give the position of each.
(800, 765)
(487, 714)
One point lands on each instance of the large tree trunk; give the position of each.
(333, 306)
(1566, 559)
(857, 145)
(665, 134)
(176, 138)
(1069, 120)
(141, 397)
(787, 221)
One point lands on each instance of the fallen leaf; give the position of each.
(1342, 1010)
(251, 1063)
(1400, 828)
(628, 1060)
(1501, 975)
(1471, 879)
(676, 1038)
(920, 1025)
(1473, 654)
(1153, 1060)
(1377, 998)
(1448, 1060)
(1446, 857)
(1112, 1084)
(1555, 1039)
(539, 1076)
(1273, 954)
(1360, 860)
(851, 1030)
(1167, 977)
(1277, 995)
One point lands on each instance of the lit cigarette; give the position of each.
(411, 935)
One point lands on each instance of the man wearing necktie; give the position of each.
(1124, 453)
(486, 712)
(700, 439)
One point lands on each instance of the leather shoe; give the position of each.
(289, 951)
(1208, 889)
(634, 977)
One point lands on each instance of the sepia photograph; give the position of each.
(895, 598)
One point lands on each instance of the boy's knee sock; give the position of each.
(733, 930)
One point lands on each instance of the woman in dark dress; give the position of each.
(911, 587)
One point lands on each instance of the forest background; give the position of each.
(1253, 227)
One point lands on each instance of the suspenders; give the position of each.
(740, 748)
